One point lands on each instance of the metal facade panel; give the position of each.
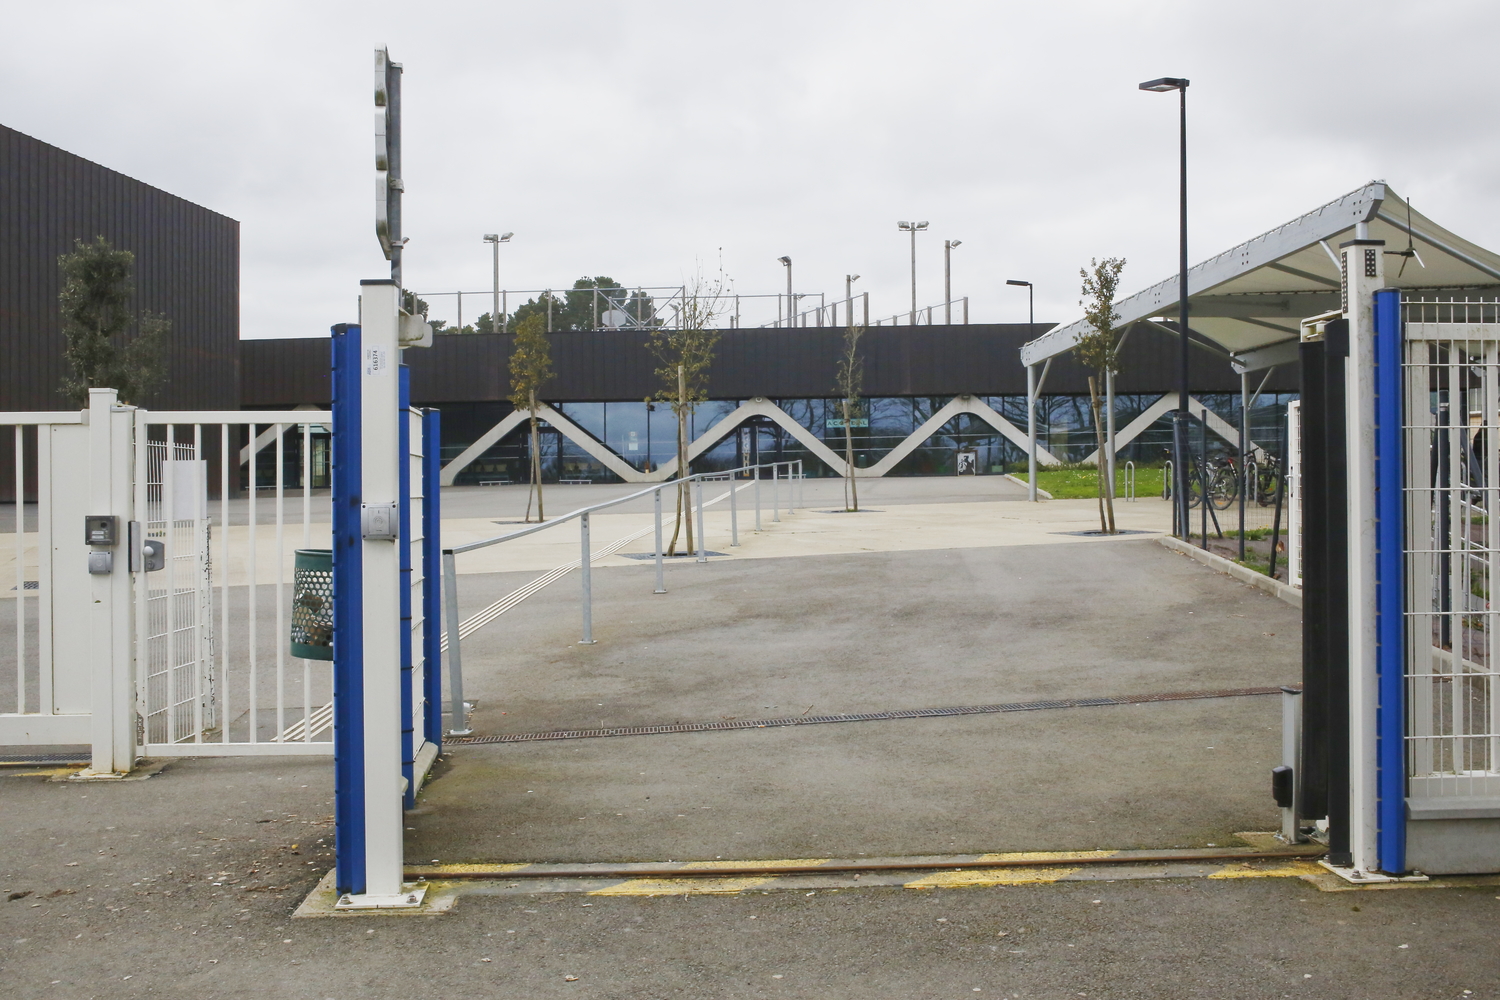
(187, 267)
(611, 365)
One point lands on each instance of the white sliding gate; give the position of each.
(214, 667)
(193, 658)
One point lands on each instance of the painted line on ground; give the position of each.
(910, 713)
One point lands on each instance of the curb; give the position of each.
(1022, 483)
(1275, 588)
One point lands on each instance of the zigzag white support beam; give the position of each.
(1166, 404)
(592, 445)
(486, 440)
(762, 407)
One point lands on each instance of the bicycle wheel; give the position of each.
(1223, 487)
(1267, 479)
(1195, 488)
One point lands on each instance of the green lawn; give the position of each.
(1082, 483)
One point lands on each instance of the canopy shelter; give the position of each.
(1248, 302)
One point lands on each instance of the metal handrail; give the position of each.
(533, 529)
(457, 706)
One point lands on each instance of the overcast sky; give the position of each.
(640, 139)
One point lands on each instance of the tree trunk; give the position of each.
(853, 487)
(536, 459)
(1101, 465)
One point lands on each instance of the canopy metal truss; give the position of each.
(1246, 304)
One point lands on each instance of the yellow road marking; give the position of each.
(991, 876)
(679, 886)
(1285, 870)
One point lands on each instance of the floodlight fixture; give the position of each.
(1165, 85)
(1017, 281)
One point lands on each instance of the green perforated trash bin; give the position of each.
(312, 604)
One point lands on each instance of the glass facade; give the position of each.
(643, 435)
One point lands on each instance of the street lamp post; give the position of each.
(849, 280)
(1180, 419)
(791, 303)
(948, 246)
(496, 239)
(914, 228)
(1031, 391)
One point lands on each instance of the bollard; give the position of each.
(1286, 779)
(458, 720)
(734, 510)
(661, 585)
(775, 491)
(588, 583)
(757, 498)
(702, 546)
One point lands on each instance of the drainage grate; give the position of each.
(44, 758)
(910, 713)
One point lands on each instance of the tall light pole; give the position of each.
(849, 280)
(914, 228)
(1180, 419)
(1030, 393)
(948, 246)
(791, 303)
(496, 239)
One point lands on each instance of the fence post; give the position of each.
(586, 574)
(775, 491)
(110, 456)
(458, 722)
(702, 546)
(432, 601)
(757, 498)
(734, 510)
(661, 586)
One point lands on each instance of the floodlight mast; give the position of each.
(1164, 85)
(388, 183)
(791, 302)
(1031, 390)
(948, 246)
(496, 239)
(914, 228)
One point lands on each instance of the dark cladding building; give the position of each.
(772, 397)
(186, 267)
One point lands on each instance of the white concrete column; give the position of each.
(380, 484)
(1363, 262)
(109, 615)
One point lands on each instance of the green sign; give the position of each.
(837, 423)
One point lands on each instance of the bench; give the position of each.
(494, 482)
(575, 482)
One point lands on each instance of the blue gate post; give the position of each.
(348, 652)
(403, 544)
(1390, 473)
(432, 577)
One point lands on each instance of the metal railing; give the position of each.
(924, 315)
(790, 471)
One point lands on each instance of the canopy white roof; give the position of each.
(1254, 296)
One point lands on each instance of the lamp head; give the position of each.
(851, 277)
(903, 226)
(505, 237)
(953, 243)
(1017, 281)
(785, 260)
(492, 237)
(1165, 84)
(919, 225)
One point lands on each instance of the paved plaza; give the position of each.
(946, 594)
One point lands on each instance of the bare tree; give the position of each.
(850, 382)
(685, 353)
(102, 350)
(1099, 352)
(530, 369)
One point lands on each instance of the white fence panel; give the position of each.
(1453, 472)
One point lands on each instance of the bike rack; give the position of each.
(1129, 482)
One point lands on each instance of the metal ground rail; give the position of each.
(789, 472)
